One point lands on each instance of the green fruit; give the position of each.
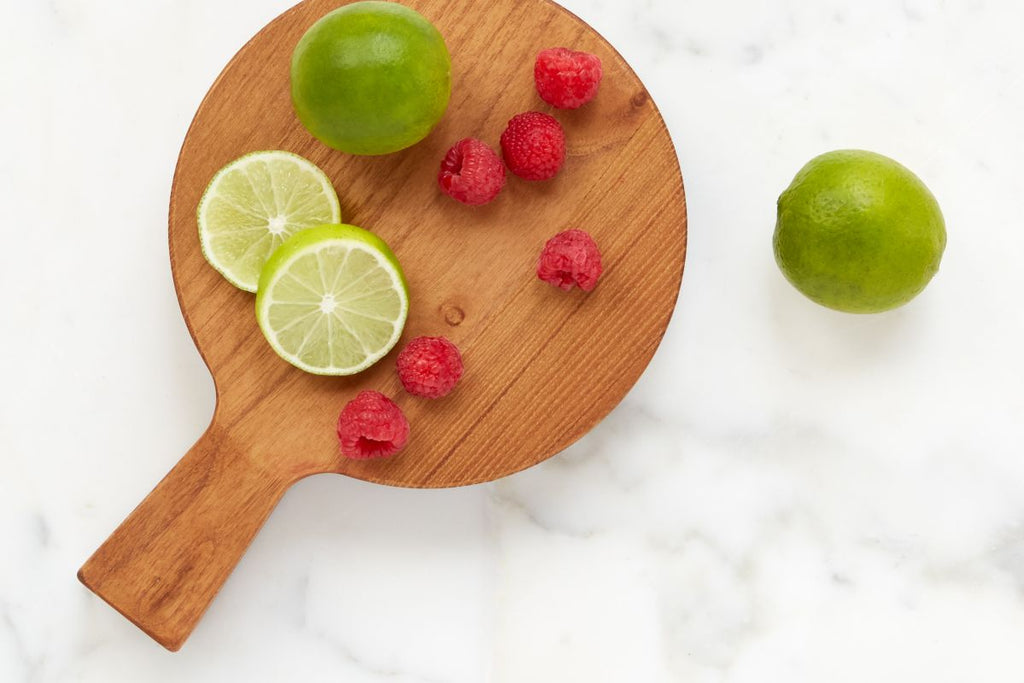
(332, 300)
(858, 232)
(254, 204)
(371, 78)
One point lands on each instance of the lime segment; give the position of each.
(254, 204)
(332, 300)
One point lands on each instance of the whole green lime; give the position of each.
(371, 78)
(858, 232)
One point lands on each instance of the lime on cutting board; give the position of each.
(371, 78)
(254, 204)
(332, 300)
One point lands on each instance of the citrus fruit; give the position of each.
(858, 232)
(371, 78)
(332, 300)
(256, 202)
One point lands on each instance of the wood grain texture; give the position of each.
(542, 366)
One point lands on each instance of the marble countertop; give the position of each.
(788, 494)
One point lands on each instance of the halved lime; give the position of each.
(254, 204)
(332, 300)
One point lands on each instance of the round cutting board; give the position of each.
(543, 366)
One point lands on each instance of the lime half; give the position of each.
(254, 204)
(332, 300)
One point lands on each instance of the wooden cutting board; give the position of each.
(542, 366)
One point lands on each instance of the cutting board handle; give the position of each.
(163, 566)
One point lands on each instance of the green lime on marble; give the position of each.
(371, 78)
(858, 232)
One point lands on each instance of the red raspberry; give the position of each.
(429, 367)
(471, 172)
(372, 426)
(533, 145)
(570, 258)
(565, 78)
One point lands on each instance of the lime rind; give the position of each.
(253, 204)
(332, 300)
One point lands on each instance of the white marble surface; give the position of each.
(789, 494)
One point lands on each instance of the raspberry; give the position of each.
(565, 78)
(570, 258)
(471, 172)
(533, 145)
(372, 426)
(429, 367)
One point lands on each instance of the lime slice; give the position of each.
(332, 300)
(254, 204)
